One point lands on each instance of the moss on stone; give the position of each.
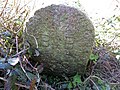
(65, 36)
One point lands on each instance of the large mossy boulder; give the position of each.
(64, 35)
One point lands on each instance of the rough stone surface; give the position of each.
(64, 36)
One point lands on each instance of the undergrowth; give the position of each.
(17, 72)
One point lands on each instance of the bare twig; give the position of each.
(16, 44)
(21, 52)
(36, 42)
(20, 59)
(94, 84)
(24, 71)
(4, 7)
(29, 63)
(46, 86)
(90, 78)
(20, 85)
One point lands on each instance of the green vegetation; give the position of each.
(94, 57)
(18, 72)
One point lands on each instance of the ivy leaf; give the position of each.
(10, 84)
(75, 82)
(94, 57)
(6, 33)
(13, 61)
(5, 66)
(70, 85)
(102, 85)
(76, 79)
